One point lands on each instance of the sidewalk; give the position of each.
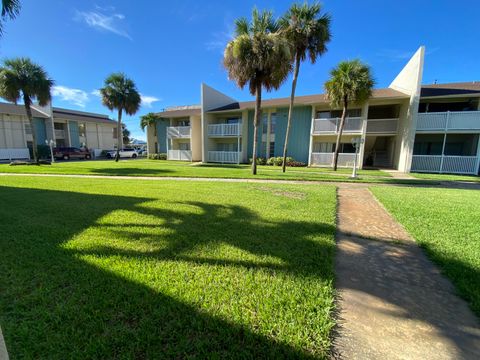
(393, 302)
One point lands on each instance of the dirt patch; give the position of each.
(277, 192)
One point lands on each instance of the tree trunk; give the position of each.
(119, 135)
(290, 110)
(340, 131)
(256, 120)
(28, 109)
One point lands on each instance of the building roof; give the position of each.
(12, 109)
(81, 116)
(459, 88)
(181, 111)
(386, 93)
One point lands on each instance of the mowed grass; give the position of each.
(446, 222)
(103, 268)
(446, 177)
(143, 167)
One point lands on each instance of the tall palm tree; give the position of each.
(308, 32)
(10, 10)
(148, 119)
(120, 93)
(260, 57)
(350, 81)
(22, 79)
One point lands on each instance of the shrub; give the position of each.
(43, 152)
(260, 161)
(160, 156)
(278, 161)
(296, 163)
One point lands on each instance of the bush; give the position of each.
(260, 161)
(160, 156)
(43, 152)
(278, 161)
(296, 163)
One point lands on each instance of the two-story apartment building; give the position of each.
(65, 127)
(407, 126)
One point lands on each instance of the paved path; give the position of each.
(3, 348)
(393, 302)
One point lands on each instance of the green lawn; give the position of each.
(446, 223)
(101, 268)
(158, 168)
(446, 177)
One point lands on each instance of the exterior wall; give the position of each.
(161, 128)
(91, 138)
(73, 132)
(409, 82)
(12, 131)
(196, 137)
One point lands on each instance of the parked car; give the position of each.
(125, 153)
(67, 153)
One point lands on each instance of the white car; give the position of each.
(125, 153)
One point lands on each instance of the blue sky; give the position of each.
(170, 47)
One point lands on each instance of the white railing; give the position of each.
(178, 131)
(352, 125)
(382, 126)
(224, 129)
(449, 120)
(60, 134)
(445, 164)
(185, 155)
(326, 159)
(223, 156)
(12, 154)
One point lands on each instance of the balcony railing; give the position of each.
(382, 126)
(12, 154)
(224, 129)
(185, 155)
(332, 126)
(449, 120)
(230, 157)
(445, 164)
(59, 134)
(179, 131)
(326, 159)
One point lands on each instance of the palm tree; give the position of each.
(120, 93)
(350, 81)
(308, 32)
(10, 10)
(259, 56)
(22, 79)
(148, 119)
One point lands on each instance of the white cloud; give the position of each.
(75, 96)
(96, 93)
(147, 101)
(104, 19)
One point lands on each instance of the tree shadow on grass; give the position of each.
(55, 305)
(120, 171)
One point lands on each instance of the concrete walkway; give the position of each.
(393, 302)
(3, 348)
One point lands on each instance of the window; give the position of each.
(227, 147)
(338, 113)
(58, 126)
(183, 122)
(82, 130)
(273, 123)
(184, 146)
(272, 149)
(264, 123)
(114, 132)
(232, 120)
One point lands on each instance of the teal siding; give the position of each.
(40, 130)
(251, 115)
(299, 139)
(162, 125)
(74, 134)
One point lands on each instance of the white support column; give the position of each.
(477, 166)
(310, 146)
(361, 152)
(443, 150)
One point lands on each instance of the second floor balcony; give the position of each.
(332, 125)
(178, 131)
(225, 130)
(448, 121)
